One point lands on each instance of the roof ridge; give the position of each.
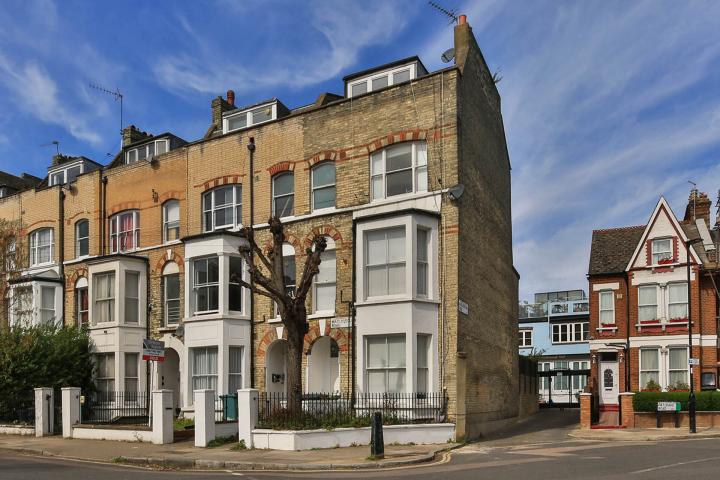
(615, 229)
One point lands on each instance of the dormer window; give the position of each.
(65, 176)
(384, 76)
(661, 250)
(247, 118)
(147, 151)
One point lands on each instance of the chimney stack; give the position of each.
(462, 19)
(698, 207)
(231, 98)
(133, 134)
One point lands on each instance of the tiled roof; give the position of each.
(611, 249)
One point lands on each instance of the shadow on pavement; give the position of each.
(548, 425)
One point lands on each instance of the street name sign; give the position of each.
(668, 406)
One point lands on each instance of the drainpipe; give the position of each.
(627, 332)
(61, 247)
(351, 353)
(251, 150)
(103, 213)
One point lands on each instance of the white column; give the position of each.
(247, 414)
(70, 410)
(162, 417)
(204, 417)
(44, 402)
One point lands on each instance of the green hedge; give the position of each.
(647, 401)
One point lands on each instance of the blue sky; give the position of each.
(607, 105)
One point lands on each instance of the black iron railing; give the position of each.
(21, 412)
(335, 410)
(119, 407)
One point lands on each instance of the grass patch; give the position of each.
(239, 446)
(220, 441)
(181, 423)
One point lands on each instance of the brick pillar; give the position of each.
(626, 407)
(585, 410)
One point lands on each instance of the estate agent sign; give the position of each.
(153, 350)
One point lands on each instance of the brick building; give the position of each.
(638, 285)
(404, 174)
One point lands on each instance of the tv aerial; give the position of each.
(448, 13)
(54, 142)
(117, 96)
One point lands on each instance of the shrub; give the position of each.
(647, 401)
(652, 386)
(41, 356)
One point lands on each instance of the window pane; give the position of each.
(376, 381)
(399, 183)
(377, 352)
(283, 184)
(132, 280)
(396, 351)
(422, 242)
(402, 76)
(324, 198)
(423, 342)
(213, 269)
(172, 211)
(284, 206)
(376, 163)
(380, 82)
(323, 175)
(131, 364)
(377, 248)
(396, 381)
(606, 300)
(647, 295)
(648, 359)
(398, 157)
(238, 121)
(261, 114)
(396, 279)
(234, 288)
(359, 88)
(327, 271)
(396, 244)
(677, 292)
(377, 188)
(377, 281)
(160, 147)
(678, 359)
(325, 298)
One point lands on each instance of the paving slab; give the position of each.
(643, 434)
(184, 455)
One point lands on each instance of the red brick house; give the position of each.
(638, 294)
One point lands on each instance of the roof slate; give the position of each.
(611, 249)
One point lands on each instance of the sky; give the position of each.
(607, 104)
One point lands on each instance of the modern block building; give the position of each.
(554, 330)
(649, 285)
(407, 176)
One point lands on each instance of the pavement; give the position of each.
(643, 434)
(186, 456)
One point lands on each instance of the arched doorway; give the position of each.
(323, 366)
(170, 375)
(276, 367)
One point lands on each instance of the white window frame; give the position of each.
(115, 232)
(686, 370)
(387, 368)
(423, 370)
(47, 311)
(525, 339)
(133, 155)
(126, 357)
(601, 294)
(327, 186)
(656, 304)
(78, 306)
(370, 263)
(561, 384)
(248, 114)
(170, 224)
(237, 284)
(235, 206)
(79, 239)
(99, 302)
(657, 254)
(390, 73)
(275, 197)
(669, 303)
(237, 375)
(422, 266)
(206, 373)
(570, 330)
(418, 148)
(333, 282)
(642, 370)
(35, 247)
(64, 173)
(109, 359)
(132, 299)
(167, 300)
(208, 285)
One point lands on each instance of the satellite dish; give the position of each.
(456, 192)
(448, 55)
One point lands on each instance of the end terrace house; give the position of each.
(406, 174)
(642, 307)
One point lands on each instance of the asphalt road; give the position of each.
(537, 449)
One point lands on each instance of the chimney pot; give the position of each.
(231, 97)
(462, 20)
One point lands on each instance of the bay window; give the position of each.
(323, 186)
(124, 232)
(131, 372)
(423, 363)
(678, 367)
(649, 366)
(132, 297)
(677, 301)
(171, 221)
(283, 194)
(206, 284)
(204, 368)
(661, 250)
(421, 273)
(385, 262)
(104, 293)
(399, 169)
(23, 305)
(47, 305)
(647, 303)
(41, 246)
(105, 373)
(234, 288)
(222, 208)
(385, 364)
(235, 370)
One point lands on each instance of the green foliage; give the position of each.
(301, 420)
(181, 423)
(41, 356)
(239, 446)
(705, 401)
(220, 441)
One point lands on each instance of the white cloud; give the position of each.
(209, 68)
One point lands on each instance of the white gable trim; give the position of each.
(662, 204)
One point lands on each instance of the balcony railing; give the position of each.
(554, 309)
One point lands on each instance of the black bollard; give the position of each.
(377, 443)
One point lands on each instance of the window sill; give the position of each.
(275, 320)
(324, 314)
(395, 299)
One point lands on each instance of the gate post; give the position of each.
(44, 403)
(162, 417)
(627, 419)
(247, 415)
(204, 417)
(70, 410)
(585, 410)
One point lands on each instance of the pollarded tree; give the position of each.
(268, 279)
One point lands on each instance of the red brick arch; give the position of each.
(314, 335)
(75, 276)
(269, 337)
(397, 137)
(176, 258)
(327, 230)
(281, 167)
(322, 156)
(121, 207)
(288, 238)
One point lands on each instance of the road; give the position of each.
(529, 452)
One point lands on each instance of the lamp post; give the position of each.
(691, 400)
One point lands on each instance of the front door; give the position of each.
(609, 388)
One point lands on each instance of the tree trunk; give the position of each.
(294, 363)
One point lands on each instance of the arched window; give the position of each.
(283, 194)
(171, 221)
(41, 246)
(289, 271)
(399, 169)
(171, 294)
(81, 302)
(323, 186)
(324, 282)
(222, 207)
(82, 238)
(125, 231)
